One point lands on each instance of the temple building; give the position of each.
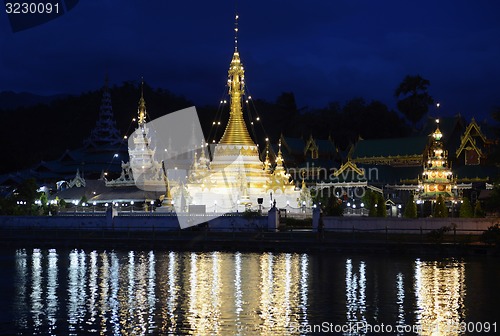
(235, 178)
(100, 154)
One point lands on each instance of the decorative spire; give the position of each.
(142, 106)
(236, 32)
(267, 162)
(236, 132)
(105, 131)
(279, 158)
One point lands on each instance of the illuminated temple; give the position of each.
(235, 178)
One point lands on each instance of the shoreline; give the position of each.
(249, 241)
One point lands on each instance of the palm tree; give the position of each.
(414, 99)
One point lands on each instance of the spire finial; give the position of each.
(236, 17)
(142, 104)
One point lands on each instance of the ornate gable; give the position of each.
(471, 144)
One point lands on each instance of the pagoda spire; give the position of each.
(142, 107)
(105, 131)
(236, 132)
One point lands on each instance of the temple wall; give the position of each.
(138, 222)
(474, 226)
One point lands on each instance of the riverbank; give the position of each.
(304, 241)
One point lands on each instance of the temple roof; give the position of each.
(390, 147)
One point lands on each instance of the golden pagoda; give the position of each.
(236, 177)
(437, 177)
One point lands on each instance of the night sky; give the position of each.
(323, 51)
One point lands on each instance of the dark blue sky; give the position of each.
(321, 50)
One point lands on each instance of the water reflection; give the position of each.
(440, 293)
(216, 293)
(355, 283)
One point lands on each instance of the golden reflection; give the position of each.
(238, 294)
(440, 293)
(280, 301)
(204, 294)
(136, 295)
(140, 293)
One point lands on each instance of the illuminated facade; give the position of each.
(236, 177)
(437, 178)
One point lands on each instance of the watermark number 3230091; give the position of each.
(32, 8)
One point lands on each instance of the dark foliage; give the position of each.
(414, 99)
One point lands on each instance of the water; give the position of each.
(78, 292)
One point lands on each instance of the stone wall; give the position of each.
(402, 225)
(129, 222)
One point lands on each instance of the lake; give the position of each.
(74, 292)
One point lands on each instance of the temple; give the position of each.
(231, 172)
(236, 178)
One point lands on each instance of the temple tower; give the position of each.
(437, 177)
(105, 132)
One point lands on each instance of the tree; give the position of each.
(414, 99)
(330, 204)
(369, 200)
(466, 209)
(381, 209)
(478, 210)
(410, 208)
(440, 209)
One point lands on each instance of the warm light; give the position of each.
(125, 137)
(258, 118)
(437, 121)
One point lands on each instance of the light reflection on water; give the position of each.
(219, 293)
